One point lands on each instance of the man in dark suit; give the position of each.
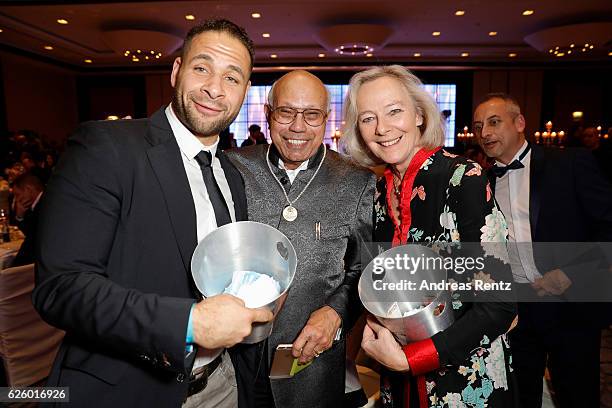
(547, 195)
(27, 191)
(120, 220)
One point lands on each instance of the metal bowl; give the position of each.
(245, 246)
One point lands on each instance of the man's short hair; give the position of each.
(511, 102)
(28, 179)
(220, 25)
(254, 128)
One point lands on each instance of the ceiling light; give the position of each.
(48, 47)
(569, 52)
(512, 55)
(273, 56)
(62, 21)
(560, 54)
(136, 55)
(577, 115)
(417, 54)
(1, 30)
(609, 53)
(369, 55)
(256, 15)
(465, 54)
(321, 55)
(436, 33)
(572, 45)
(266, 35)
(492, 33)
(528, 12)
(87, 61)
(459, 12)
(190, 17)
(590, 47)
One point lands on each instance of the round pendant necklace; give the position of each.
(290, 213)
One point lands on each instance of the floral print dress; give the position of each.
(446, 198)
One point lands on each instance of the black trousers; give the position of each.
(251, 366)
(570, 349)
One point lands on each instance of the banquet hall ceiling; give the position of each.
(308, 32)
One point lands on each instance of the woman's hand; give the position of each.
(379, 343)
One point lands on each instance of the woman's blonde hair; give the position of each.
(432, 128)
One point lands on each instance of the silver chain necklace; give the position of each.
(290, 212)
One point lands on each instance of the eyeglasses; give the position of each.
(286, 115)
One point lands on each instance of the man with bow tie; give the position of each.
(547, 195)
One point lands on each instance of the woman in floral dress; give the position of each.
(428, 195)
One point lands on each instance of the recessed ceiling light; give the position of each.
(417, 54)
(512, 55)
(62, 21)
(528, 12)
(190, 17)
(492, 33)
(609, 53)
(1, 30)
(266, 35)
(569, 52)
(459, 12)
(48, 47)
(465, 54)
(572, 45)
(256, 15)
(321, 55)
(560, 54)
(591, 47)
(436, 33)
(369, 55)
(273, 56)
(87, 61)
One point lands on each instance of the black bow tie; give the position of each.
(499, 171)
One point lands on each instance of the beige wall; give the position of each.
(525, 85)
(39, 96)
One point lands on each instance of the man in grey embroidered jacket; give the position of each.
(324, 206)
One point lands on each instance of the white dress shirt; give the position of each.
(512, 193)
(206, 222)
(292, 174)
(190, 146)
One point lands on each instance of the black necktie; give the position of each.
(222, 214)
(499, 171)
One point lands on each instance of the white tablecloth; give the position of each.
(8, 250)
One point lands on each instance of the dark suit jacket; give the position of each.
(569, 201)
(28, 227)
(116, 236)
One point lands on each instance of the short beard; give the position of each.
(195, 124)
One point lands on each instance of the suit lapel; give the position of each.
(167, 164)
(236, 185)
(492, 180)
(535, 187)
